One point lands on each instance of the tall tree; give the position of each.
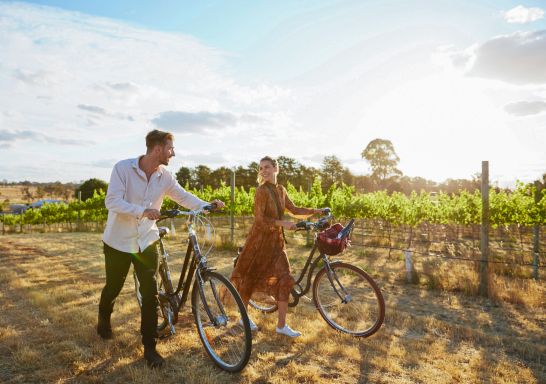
(332, 171)
(183, 176)
(89, 187)
(219, 176)
(289, 170)
(383, 161)
(201, 176)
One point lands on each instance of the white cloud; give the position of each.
(519, 58)
(9, 137)
(200, 122)
(68, 79)
(525, 108)
(522, 15)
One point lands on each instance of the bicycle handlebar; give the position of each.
(172, 213)
(319, 224)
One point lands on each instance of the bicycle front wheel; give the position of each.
(349, 300)
(222, 321)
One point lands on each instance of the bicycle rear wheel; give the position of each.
(222, 321)
(263, 302)
(349, 300)
(165, 310)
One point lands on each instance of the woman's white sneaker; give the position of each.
(253, 326)
(287, 331)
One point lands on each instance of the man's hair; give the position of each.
(157, 137)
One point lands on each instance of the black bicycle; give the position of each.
(347, 298)
(220, 315)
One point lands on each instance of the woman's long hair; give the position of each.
(272, 161)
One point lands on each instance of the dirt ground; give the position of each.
(50, 286)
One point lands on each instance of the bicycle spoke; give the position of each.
(349, 300)
(226, 341)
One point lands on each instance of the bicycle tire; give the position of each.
(226, 335)
(263, 303)
(163, 308)
(360, 311)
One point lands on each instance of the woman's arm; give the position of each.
(263, 221)
(298, 210)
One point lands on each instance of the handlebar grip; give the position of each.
(211, 207)
(301, 225)
(169, 212)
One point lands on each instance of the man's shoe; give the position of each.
(104, 329)
(287, 331)
(153, 359)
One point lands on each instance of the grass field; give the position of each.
(50, 286)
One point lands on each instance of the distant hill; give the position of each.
(26, 193)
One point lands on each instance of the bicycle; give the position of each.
(219, 313)
(347, 298)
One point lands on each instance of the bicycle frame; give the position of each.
(312, 264)
(194, 264)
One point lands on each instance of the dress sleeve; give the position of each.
(260, 205)
(293, 209)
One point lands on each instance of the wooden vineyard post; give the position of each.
(484, 286)
(231, 217)
(536, 234)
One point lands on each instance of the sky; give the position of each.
(450, 84)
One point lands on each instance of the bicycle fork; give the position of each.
(221, 319)
(333, 278)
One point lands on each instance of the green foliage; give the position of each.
(517, 207)
(89, 187)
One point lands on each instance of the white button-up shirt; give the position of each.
(129, 194)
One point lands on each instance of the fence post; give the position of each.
(409, 265)
(484, 245)
(79, 217)
(231, 218)
(536, 234)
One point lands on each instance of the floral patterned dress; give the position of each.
(263, 264)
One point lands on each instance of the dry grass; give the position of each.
(50, 286)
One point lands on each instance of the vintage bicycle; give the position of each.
(219, 313)
(347, 298)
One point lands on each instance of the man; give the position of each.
(134, 198)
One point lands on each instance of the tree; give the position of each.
(383, 161)
(219, 176)
(183, 176)
(332, 171)
(289, 170)
(89, 187)
(201, 176)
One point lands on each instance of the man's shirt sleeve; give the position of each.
(183, 197)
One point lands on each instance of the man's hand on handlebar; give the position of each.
(217, 204)
(152, 214)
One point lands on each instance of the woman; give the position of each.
(263, 265)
